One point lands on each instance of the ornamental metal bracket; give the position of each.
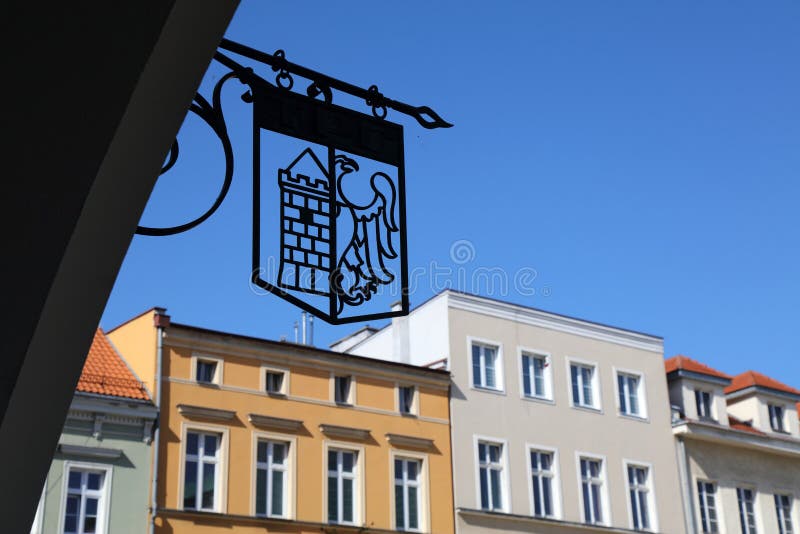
(334, 179)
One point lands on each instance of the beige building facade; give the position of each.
(558, 424)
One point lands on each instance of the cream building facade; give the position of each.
(558, 424)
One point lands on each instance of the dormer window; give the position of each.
(703, 399)
(776, 418)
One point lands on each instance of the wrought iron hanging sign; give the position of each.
(329, 206)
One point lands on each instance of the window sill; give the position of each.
(632, 417)
(277, 395)
(343, 405)
(493, 391)
(542, 400)
(213, 385)
(590, 409)
(409, 414)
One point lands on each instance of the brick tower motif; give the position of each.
(305, 225)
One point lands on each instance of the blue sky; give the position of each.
(641, 159)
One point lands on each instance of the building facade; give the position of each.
(739, 449)
(98, 481)
(558, 424)
(259, 435)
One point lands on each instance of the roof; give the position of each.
(756, 379)
(106, 373)
(745, 426)
(684, 363)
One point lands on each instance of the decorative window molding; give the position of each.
(485, 365)
(592, 472)
(278, 423)
(289, 469)
(268, 380)
(83, 492)
(583, 381)
(491, 458)
(535, 374)
(201, 412)
(748, 515)
(552, 472)
(422, 486)
(98, 453)
(343, 389)
(217, 376)
(344, 432)
(339, 474)
(221, 471)
(406, 399)
(630, 392)
(409, 442)
(709, 504)
(641, 497)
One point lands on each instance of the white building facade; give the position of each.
(558, 424)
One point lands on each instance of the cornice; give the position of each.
(201, 412)
(99, 453)
(409, 442)
(344, 432)
(278, 423)
(714, 433)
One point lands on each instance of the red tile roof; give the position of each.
(105, 372)
(753, 378)
(746, 426)
(687, 364)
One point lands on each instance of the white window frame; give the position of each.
(221, 489)
(351, 394)
(779, 514)
(414, 398)
(290, 473)
(103, 508)
(505, 494)
(555, 480)
(597, 395)
(746, 528)
(651, 495)
(708, 417)
(423, 489)
(605, 505)
(641, 393)
(218, 371)
(702, 504)
(522, 352)
(358, 486)
(284, 384)
(771, 407)
(500, 383)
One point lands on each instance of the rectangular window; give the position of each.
(592, 487)
(484, 367)
(274, 382)
(776, 418)
(84, 501)
(206, 371)
(342, 389)
(271, 475)
(534, 376)
(747, 511)
(405, 399)
(628, 392)
(342, 486)
(582, 377)
(639, 492)
(406, 493)
(703, 401)
(783, 510)
(542, 482)
(201, 471)
(490, 473)
(707, 495)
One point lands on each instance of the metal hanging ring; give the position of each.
(284, 75)
(379, 111)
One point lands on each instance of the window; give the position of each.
(628, 392)
(342, 486)
(783, 510)
(342, 389)
(535, 376)
(639, 492)
(703, 401)
(85, 501)
(274, 382)
(592, 487)
(406, 493)
(485, 367)
(776, 418)
(542, 482)
(405, 400)
(271, 478)
(707, 495)
(201, 471)
(490, 473)
(747, 512)
(583, 380)
(206, 371)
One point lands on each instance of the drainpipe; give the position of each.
(686, 484)
(161, 321)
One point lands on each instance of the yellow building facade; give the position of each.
(265, 436)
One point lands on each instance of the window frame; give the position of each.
(414, 411)
(351, 393)
(641, 394)
(499, 369)
(701, 504)
(284, 391)
(548, 396)
(103, 508)
(652, 508)
(782, 419)
(423, 497)
(781, 525)
(597, 393)
(218, 372)
(739, 492)
(290, 506)
(555, 480)
(711, 405)
(359, 486)
(221, 496)
(605, 505)
(505, 494)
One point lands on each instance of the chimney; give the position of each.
(160, 318)
(401, 351)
